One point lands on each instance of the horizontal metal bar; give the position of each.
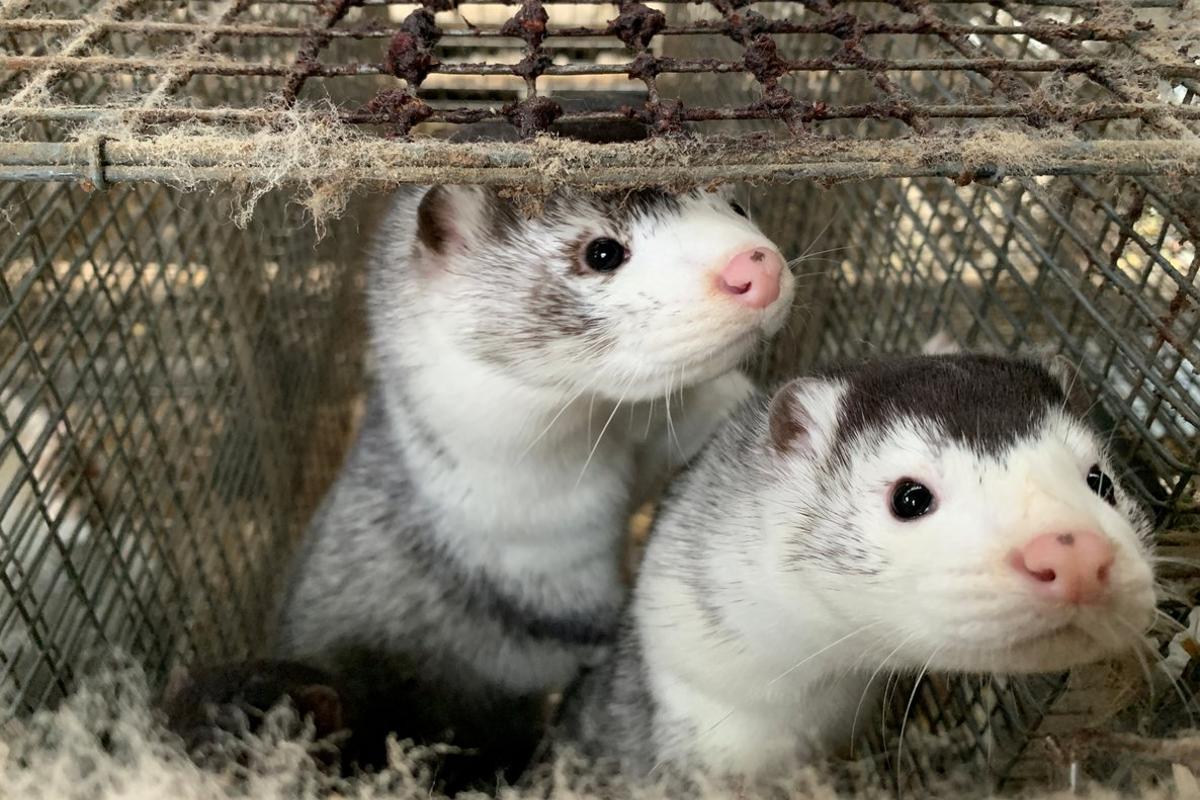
(895, 110)
(209, 66)
(1080, 31)
(608, 178)
(549, 162)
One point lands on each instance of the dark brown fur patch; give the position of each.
(986, 402)
(573, 253)
(555, 305)
(789, 423)
(648, 203)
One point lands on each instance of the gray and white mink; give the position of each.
(530, 373)
(951, 512)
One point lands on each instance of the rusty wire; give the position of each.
(395, 63)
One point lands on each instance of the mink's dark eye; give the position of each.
(737, 208)
(911, 500)
(1102, 485)
(604, 255)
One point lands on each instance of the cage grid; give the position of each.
(176, 390)
(393, 67)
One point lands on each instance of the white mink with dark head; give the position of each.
(524, 366)
(935, 512)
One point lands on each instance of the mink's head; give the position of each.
(959, 512)
(628, 294)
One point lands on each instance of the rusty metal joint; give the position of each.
(96, 162)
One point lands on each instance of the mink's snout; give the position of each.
(1067, 567)
(752, 278)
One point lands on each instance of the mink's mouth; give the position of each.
(1046, 637)
(654, 379)
(741, 345)
(1058, 648)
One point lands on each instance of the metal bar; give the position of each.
(1083, 4)
(865, 27)
(80, 42)
(1114, 81)
(202, 39)
(306, 62)
(894, 109)
(1066, 275)
(542, 162)
(663, 65)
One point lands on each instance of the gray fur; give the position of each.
(373, 572)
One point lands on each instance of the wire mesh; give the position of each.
(170, 412)
(175, 392)
(163, 73)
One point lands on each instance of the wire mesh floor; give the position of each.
(160, 90)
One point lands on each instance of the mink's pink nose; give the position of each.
(752, 277)
(1071, 567)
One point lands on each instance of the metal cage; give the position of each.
(179, 378)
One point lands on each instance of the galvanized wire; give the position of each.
(166, 423)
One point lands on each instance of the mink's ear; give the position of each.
(1061, 368)
(1064, 371)
(453, 218)
(1070, 380)
(803, 416)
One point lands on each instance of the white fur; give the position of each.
(552, 444)
(535, 466)
(674, 431)
(670, 325)
(791, 666)
(966, 601)
(700, 332)
(541, 435)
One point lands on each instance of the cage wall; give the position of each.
(175, 396)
